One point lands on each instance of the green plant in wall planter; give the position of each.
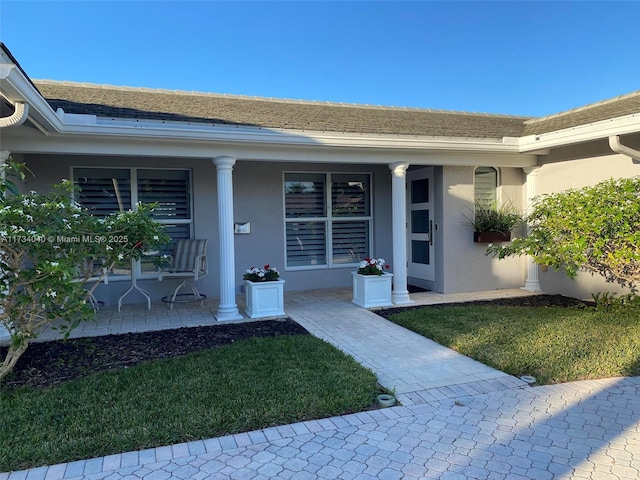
(492, 222)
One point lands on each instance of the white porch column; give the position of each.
(400, 293)
(228, 309)
(532, 283)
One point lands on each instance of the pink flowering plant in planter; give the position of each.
(373, 266)
(264, 274)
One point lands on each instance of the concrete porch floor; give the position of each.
(135, 318)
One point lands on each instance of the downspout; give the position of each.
(616, 146)
(18, 117)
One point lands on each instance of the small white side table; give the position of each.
(134, 286)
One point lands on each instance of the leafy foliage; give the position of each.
(49, 248)
(265, 274)
(490, 217)
(372, 266)
(596, 229)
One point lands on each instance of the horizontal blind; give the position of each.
(485, 186)
(350, 195)
(170, 189)
(304, 195)
(306, 243)
(103, 190)
(350, 241)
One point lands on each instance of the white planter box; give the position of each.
(372, 290)
(264, 299)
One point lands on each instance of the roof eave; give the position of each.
(581, 133)
(91, 125)
(15, 86)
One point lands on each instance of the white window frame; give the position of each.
(133, 179)
(497, 187)
(328, 220)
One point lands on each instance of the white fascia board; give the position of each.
(241, 134)
(30, 142)
(582, 133)
(15, 87)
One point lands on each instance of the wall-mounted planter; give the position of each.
(491, 237)
(372, 290)
(264, 299)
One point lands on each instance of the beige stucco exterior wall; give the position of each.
(594, 166)
(465, 267)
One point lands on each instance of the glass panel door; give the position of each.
(420, 225)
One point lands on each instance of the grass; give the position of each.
(248, 385)
(554, 344)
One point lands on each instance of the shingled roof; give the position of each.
(215, 109)
(167, 105)
(605, 110)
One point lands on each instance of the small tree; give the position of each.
(596, 229)
(44, 242)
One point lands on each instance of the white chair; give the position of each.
(189, 264)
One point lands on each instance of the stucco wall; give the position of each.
(556, 176)
(258, 198)
(465, 267)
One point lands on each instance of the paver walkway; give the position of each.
(482, 424)
(403, 360)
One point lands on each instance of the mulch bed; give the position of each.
(50, 363)
(526, 301)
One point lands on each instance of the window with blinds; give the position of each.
(327, 218)
(106, 190)
(486, 187)
(103, 191)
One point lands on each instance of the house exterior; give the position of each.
(313, 187)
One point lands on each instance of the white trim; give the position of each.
(582, 133)
(328, 220)
(16, 87)
(246, 134)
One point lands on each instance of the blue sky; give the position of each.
(522, 58)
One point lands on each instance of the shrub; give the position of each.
(595, 229)
(49, 247)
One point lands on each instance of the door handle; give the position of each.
(431, 232)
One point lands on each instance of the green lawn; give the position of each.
(248, 385)
(554, 344)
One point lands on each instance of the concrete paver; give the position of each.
(482, 424)
(503, 434)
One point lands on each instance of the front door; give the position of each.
(420, 226)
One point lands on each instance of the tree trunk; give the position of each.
(13, 354)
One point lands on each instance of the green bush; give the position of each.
(595, 229)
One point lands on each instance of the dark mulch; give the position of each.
(49, 363)
(526, 301)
